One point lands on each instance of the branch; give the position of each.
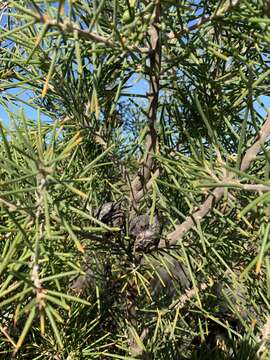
(249, 187)
(236, 185)
(68, 27)
(255, 148)
(189, 294)
(142, 180)
(139, 194)
(192, 220)
(217, 194)
(181, 303)
(144, 173)
(255, 187)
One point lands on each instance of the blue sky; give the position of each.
(14, 107)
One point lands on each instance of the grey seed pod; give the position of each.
(110, 214)
(146, 235)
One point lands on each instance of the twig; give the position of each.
(189, 294)
(236, 185)
(206, 18)
(11, 207)
(255, 187)
(192, 220)
(255, 148)
(138, 185)
(35, 276)
(7, 336)
(68, 27)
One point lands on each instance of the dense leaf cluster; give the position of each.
(151, 111)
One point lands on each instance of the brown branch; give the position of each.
(249, 187)
(255, 187)
(142, 181)
(255, 148)
(216, 195)
(144, 173)
(139, 194)
(192, 220)
(236, 185)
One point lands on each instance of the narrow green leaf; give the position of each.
(54, 327)
(68, 297)
(41, 35)
(262, 249)
(26, 328)
(260, 199)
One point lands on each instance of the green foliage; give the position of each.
(193, 149)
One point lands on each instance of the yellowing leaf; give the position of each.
(94, 106)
